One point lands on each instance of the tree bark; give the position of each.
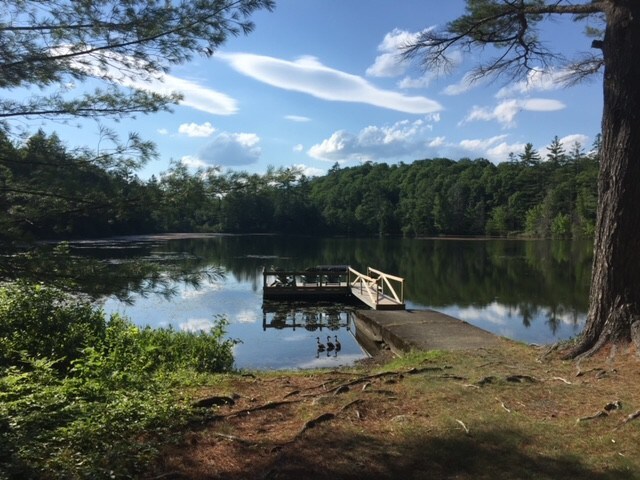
(614, 309)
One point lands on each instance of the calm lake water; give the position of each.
(533, 291)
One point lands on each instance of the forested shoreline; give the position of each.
(52, 192)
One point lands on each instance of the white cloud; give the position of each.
(246, 316)
(494, 313)
(481, 144)
(195, 130)
(193, 162)
(308, 75)
(506, 111)
(298, 148)
(390, 62)
(328, 361)
(542, 105)
(196, 325)
(232, 149)
(495, 149)
(374, 143)
(297, 118)
(387, 65)
(408, 141)
(500, 153)
(311, 171)
(537, 80)
(162, 131)
(437, 142)
(569, 141)
(466, 83)
(195, 95)
(420, 82)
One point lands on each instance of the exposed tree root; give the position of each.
(234, 438)
(292, 393)
(521, 379)
(600, 414)
(266, 406)
(631, 417)
(357, 401)
(214, 401)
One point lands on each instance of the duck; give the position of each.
(338, 345)
(330, 345)
(321, 346)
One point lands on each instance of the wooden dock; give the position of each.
(376, 289)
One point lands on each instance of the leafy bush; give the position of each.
(43, 322)
(91, 398)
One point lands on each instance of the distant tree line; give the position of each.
(49, 192)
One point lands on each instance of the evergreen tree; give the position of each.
(556, 153)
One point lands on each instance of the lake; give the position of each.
(529, 290)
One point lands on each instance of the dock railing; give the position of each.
(377, 285)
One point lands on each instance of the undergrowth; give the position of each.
(86, 396)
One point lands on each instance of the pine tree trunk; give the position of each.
(614, 309)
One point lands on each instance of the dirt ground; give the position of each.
(505, 413)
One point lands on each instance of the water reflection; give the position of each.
(533, 291)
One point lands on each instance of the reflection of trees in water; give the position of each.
(119, 270)
(534, 277)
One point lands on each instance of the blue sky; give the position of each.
(320, 81)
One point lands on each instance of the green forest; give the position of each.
(49, 191)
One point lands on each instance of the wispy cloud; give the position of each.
(466, 83)
(195, 95)
(417, 82)
(536, 81)
(506, 111)
(308, 75)
(297, 118)
(195, 130)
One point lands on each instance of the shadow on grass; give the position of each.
(494, 454)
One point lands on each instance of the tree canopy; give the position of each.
(55, 44)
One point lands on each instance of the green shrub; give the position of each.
(86, 397)
(44, 322)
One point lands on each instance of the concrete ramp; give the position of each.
(406, 330)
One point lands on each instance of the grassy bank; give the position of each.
(496, 414)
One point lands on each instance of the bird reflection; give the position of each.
(330, 346)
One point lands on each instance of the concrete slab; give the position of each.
(409, 330)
